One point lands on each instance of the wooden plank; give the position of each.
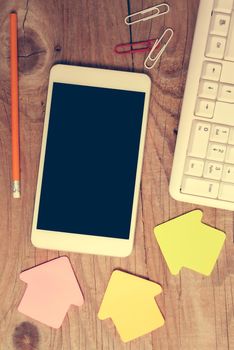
(199, 311)
(49, 32)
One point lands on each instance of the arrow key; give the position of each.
(211, 70)
(226, 93)
(208, 89)
(205, 108)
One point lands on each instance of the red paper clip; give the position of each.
(145, 45)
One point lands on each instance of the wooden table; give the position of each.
(199, 311)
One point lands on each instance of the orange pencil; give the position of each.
(14, 106)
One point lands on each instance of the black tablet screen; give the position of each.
(91, 160)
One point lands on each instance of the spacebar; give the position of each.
(224, 113)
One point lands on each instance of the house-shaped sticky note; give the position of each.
(129, 302)
(187, 242)
(51, 289)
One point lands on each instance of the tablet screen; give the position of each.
(91, 160)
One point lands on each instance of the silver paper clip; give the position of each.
(161, 9)
(150, 58)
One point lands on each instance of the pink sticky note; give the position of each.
(51, 288)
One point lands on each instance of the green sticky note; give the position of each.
(187, 242)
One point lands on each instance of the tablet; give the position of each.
(91, 160)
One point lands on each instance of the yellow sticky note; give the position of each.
(129, 302)
(186, 242)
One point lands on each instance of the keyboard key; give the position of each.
(205, 108)
(208, 89)
(194, 167)
(219, 133)
(227, 74)
(226, 93)
(213, 170)
(229, 52)
(216, 151)
(223, 6)
(215, 47)
(200, 187)
(211, 71)
(226, 192)
(230, 155)
(220, 24)
(231, 137)
(228, 173)
(199, 139)
(224, 113)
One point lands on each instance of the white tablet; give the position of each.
(91, 160)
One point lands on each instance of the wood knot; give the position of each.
(57, 48)
(32, 53)
(26, 337)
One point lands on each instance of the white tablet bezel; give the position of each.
(78, 242)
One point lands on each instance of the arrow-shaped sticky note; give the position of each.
(129, 302)
(186, 242)
(51, 289)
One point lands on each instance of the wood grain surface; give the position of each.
(199, 311)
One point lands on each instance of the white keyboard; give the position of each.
(203, 166)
